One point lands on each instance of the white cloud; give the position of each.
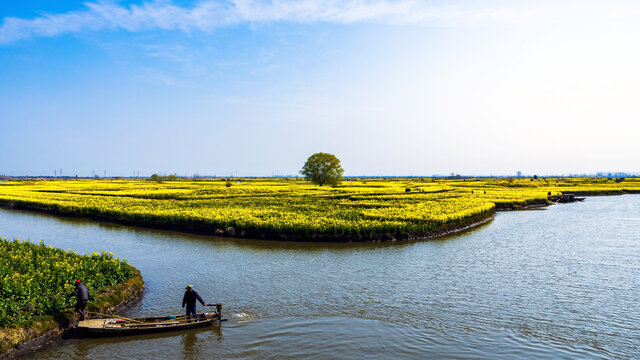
(209, 14)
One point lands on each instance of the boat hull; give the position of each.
(109, 327)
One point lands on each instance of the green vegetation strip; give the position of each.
(292, 209)
(35, 280)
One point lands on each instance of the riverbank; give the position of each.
(359, 210)
(233, 232)
(35, 281)
(44, 330)
(528, 206)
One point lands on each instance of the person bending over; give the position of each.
(82, 296)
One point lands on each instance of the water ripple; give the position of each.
(560, 283)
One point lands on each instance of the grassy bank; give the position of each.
(359, 209)
(34, 282)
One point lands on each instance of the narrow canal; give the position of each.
(563, 282)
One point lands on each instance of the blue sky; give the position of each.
(253, 87)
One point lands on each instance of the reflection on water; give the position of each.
(191, 344)
(561, 283)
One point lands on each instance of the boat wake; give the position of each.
(241, 316)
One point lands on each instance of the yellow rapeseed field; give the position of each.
(35, 279)
(358, 207)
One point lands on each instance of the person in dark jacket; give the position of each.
(189, 299)
(82, 296)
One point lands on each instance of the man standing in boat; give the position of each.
(189, 299)
(81, 293)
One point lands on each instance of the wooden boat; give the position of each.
(125, 326)
(566, 198)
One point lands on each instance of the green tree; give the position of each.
(323, 168)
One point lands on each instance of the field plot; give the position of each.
(359, 209)
(35, 280)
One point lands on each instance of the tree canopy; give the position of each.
(322, 168)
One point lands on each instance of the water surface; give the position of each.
(563, 282)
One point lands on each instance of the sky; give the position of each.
(254, 87)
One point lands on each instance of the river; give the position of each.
(563, 282)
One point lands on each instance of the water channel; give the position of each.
(563, 282)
